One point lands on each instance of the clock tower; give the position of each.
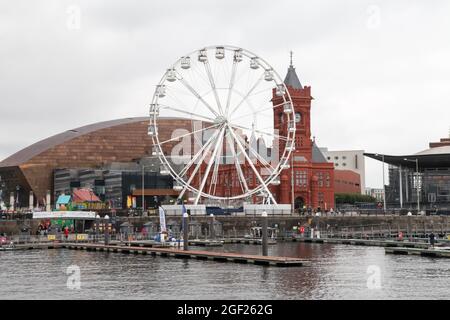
(309, 180)
(301, 99)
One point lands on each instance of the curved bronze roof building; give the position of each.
(95, 145)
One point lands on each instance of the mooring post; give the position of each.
(185, 231)
(212, 232)
(264, 233)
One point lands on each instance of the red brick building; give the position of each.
(310, 179)
(309, 182)
(347, 181)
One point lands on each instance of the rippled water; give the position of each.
(336, 272)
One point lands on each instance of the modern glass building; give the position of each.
(424, 176)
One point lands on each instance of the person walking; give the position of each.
(66, 233)
(432, 239)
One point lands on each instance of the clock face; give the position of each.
(298, 117)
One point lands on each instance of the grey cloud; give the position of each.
(376, 87)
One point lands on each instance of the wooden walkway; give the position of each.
(30, 246)
(206, 243)
(363, 242)
(193, 254)
(429, 252)
(248, 241)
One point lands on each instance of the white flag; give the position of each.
(162, 219)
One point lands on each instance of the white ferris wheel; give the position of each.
(226, 95)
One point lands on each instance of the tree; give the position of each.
(352, 198)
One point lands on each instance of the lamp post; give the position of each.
(417, 181)
(384, 188)
(264, 233)
(97, 222)
(143, 188)
(292, 183)
(143, 184)
(106, 227)
(17, 196)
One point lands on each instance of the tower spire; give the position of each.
(291, 76)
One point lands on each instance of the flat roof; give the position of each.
(436, 160)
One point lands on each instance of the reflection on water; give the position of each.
(336, 272)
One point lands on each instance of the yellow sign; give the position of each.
(448, 237)
(82, 236)
(51, 237)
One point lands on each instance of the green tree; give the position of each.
(352, 198)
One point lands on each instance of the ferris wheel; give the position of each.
(231, 147)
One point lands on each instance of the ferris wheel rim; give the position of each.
(285, 155)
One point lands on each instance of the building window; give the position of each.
(301, 179)
(344, 164)
(280, 116)
(344, 157)
(336, 158)
(328, 158)
(336, 164)
(327, 179)
(320, 179)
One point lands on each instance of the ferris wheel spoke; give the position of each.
(208, 168)
(207, 148)
(197, 167)
(230, 88)
(257, 155)
(195, 157)
(213, 85)
(189, 133)
(274, 135)
(216, 169)
(237, 164)
(261, 180)
(197, 95)
(247, 95)
(186, 112)
(259, 110)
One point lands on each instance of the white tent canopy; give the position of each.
(80, 215)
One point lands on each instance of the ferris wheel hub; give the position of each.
(220, 120)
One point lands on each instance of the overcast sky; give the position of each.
(379, 70)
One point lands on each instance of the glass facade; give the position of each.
(433, 184)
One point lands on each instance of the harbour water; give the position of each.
(336, 272)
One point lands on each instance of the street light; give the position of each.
(106, 226)
(417, 181)
(384, 188)
(143, 185)
(97, 217)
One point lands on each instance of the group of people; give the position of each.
(46, 228)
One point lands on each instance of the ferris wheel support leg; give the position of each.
(208, 168)
(251, 164)
(206, 149)
(236, 163)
